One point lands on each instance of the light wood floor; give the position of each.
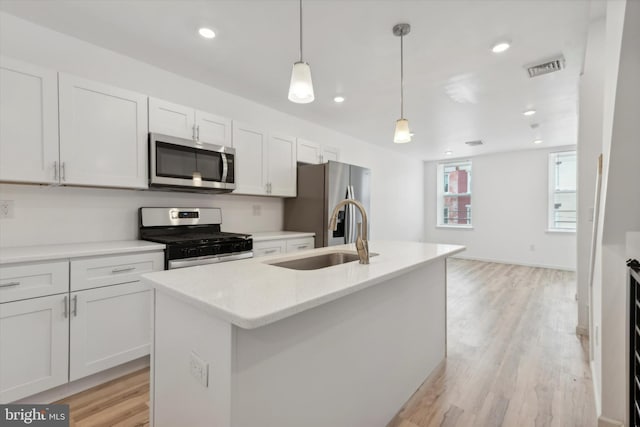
(513, 359)
(123, 402)
(513, 356)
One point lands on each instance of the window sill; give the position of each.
(461, 227)
(560, 231)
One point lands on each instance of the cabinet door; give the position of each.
(329, 153)
(281, 163)
(213, 129)
(103, 134)
(269, 247)
(301, 244)
(28, 123)
(251, 155)
(109, 326)
(34, 340)
(308, 152)
(171, 119)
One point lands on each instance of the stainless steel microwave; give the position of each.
(187, 165)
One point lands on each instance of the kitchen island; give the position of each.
(249, 343)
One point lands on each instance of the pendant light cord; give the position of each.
(300, 30)
(401, 76)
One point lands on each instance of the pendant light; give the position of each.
(402, 133)
(301, 86)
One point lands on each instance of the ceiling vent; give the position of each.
(546, 67)
(473, 143)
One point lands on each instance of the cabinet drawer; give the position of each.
(33, 280)
(270, 247)
(112, 270)
(302, 244)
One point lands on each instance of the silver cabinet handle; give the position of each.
(10, 284)
(270, 251)
(75, 305)
(63, 171)
(66, 306)
(193, 132)
(198, 133)
(122, 269)
(55, 170)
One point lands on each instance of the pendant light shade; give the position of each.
(402, 133)
(301, 86)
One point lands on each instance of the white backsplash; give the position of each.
(51, 215)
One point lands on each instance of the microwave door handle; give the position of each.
(225, 167)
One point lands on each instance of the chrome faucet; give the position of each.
(362, 245)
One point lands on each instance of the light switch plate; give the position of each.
(6, 209)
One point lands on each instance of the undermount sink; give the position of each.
(316, 262)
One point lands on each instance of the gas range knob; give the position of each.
(192, 252)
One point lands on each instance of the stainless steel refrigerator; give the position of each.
(320, 188)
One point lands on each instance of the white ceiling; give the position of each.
(456, 90)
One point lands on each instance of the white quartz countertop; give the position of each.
(279, 235)
(14, 254)
(252, 293)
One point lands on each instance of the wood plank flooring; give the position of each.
(123, 402)
(513, 356)
(513, 360)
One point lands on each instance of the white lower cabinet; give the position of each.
(98, 319)
(281, 246)
(109, 326)
(35, 343)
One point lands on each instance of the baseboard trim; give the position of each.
(501, 261)
(608, 422)
(85, 383)
(582, 331)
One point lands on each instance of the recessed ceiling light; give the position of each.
(448, 152)
(537, 141)
(338, 99)
(500, 47)
(529, 112)
(207, 33)
(411, 133)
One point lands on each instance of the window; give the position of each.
(454, 194)
(562, 191)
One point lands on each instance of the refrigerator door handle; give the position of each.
(347, 218)
(354, 225)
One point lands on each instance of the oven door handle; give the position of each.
(179, 263)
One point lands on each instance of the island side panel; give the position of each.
(179, 399)
(351, 362)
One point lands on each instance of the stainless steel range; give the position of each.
(193, 236)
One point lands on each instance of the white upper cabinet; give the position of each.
(265, 163)
(313, 153)
(185, 122)
(251, 154)
(213, 129)
(308, 151)
(103, 134)
(281, 165)
(28, 123)
(171, 119)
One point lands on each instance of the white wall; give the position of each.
(509, 212)
(620, 208)
(589, 148)
(113, 210)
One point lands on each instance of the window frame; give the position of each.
(440, 194)
(552, 190)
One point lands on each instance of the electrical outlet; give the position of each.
(6, 209)
(199, 369)
(257, 210)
